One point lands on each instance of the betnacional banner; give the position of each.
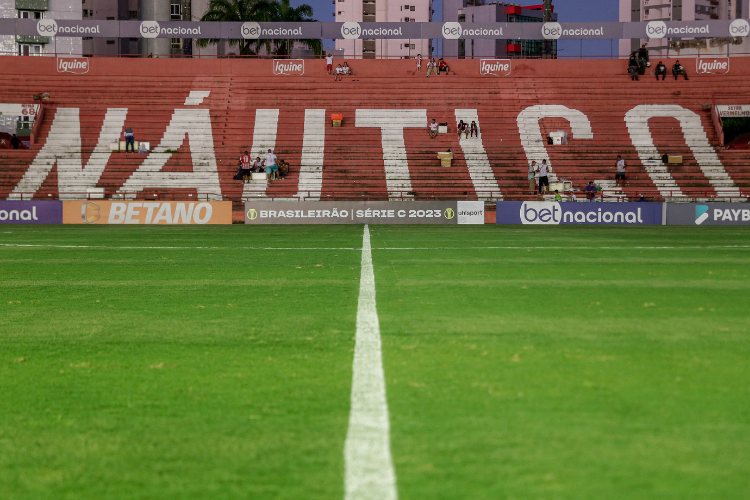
(31, 212)
(361, 30)
(147, 212)
(554, 213)
(365, 212)
(708, 214)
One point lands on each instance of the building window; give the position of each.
(88, 38)
(30, 14)
(409, 45)
(108, 19)
(133, 14)
(110, 42)
(176, 11)
(26, 49)
(85, 13)
(176, 43)
(412, 8)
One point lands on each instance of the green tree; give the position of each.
(268, 11)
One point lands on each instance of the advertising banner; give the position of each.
(77, 28)
(454, 31)
(253, 31)
(169, 29)
(554, 213)
(353, 30)
(31, 212)
(364, 212)
(712, 65)
(708, 214)
(147, 212)
(556, 31)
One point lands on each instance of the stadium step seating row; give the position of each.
(198, 124)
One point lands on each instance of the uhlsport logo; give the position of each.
(552, 31)
(449, 213)
(46, 27)
(149, 29)
(77, 65)
(289, 67)
(701, 214)
(656, 29)
(739, 27)
(452, 31)
(494, 67)
(712, 66)
(351, 31)
(250, 30)
(90, 213)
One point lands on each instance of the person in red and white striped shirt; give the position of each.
(245, 165)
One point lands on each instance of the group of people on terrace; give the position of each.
(639, 61)
(271, 165)
(340, 71)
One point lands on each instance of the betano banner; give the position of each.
(364, 212)
(31, 212)
(357, 30)
(554, 213)
(147, 212)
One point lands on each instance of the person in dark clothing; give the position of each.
(633, 67)
(129, 140)
(678, 70)
(642, 59)
(15, 142)
(661, 70)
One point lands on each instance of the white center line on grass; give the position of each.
(369, 472)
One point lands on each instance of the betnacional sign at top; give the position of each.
(362, 30)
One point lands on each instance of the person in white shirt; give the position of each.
(543, 179)
(432, 67)
(433, 129)
(269, 160)
(532, 176)
(339, 72)
(620, 173)
(329, 63)
(419, 63)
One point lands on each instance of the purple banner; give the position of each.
(30, 212)
(554, 213)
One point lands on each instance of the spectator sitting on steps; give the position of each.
(433, 129)
(339, 72)
(347, 70)
(661, 70)
(443, 66)
(590, 191)
(463, 128)
(432, 67)
(258, 165)
(678, 70)
(474, 130)
(643, 59)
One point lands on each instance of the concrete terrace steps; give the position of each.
(353, 156)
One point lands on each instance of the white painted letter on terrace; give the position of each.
(204, 178)
(264, 138)
(531, 132)
(313, 150)
(695, 137)
(392, 123)
(477, 162)
(63, 146)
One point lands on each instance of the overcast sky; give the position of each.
(566, 10)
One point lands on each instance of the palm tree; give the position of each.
(261, 11)
(282, 12)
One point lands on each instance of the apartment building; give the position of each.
(40, 9)
(684, 10)
(383, 11)
(479, 11)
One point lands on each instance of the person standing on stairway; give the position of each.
(532, 176)
(329, 63)
(620, 173)
(543, 179)
(129, 139)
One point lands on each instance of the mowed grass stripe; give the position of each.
(566, 374)
(197, 376)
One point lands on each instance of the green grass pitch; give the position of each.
(565, 363)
